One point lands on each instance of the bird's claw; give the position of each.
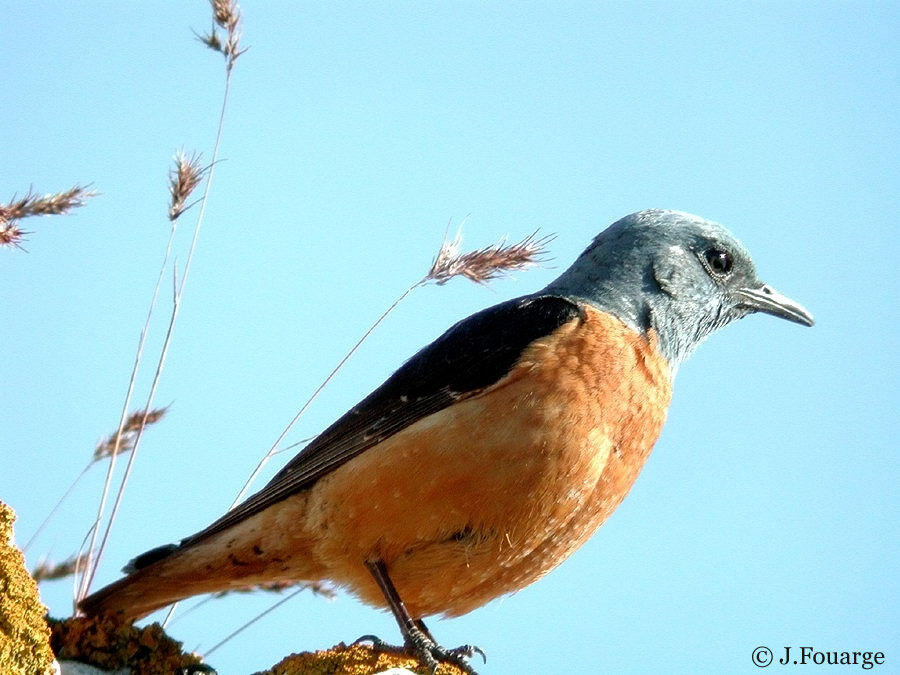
(429, 652)
(377, 642)
(468, 651)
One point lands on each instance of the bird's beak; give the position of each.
(764, 298)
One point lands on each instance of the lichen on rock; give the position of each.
(109, 643)
(355, 659)
(24, 634)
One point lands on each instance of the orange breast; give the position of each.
(490, 494)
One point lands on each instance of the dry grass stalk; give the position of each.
(183, 179)
(319, 588)
(226, 15)
(34, 205)
(480, 266)
(46, 571)
(252, 621)
(487, 263)
(108, 447)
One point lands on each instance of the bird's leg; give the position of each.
(415, 635)
(422, 627)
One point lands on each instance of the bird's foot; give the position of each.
(430, 652)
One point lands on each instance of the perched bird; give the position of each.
(492, 454)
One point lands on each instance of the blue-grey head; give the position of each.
(680, 275)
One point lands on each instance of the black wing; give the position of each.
(472, 355)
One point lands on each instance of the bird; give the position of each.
(493, 453)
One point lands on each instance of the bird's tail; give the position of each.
(132, 597)
(171, 573)
(240, 557)
(156, 579)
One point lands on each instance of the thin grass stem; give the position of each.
(166, 343)
(274, 449)
(253, 621)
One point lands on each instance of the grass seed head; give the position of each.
(487, 263)
(133, 425)
(183, 179)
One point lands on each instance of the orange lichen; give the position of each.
(358, 659)
(24, 636)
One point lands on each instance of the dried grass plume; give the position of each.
(183, 179)
(227, 16)
(487, 263)
(11, 234)
(48, 571)
(135, 422)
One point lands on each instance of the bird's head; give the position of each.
(680, 275)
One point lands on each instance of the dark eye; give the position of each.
(720, 262)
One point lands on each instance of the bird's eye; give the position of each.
(720, 262)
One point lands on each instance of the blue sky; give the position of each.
(767, 514)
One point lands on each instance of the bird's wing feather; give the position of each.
(472, 355)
